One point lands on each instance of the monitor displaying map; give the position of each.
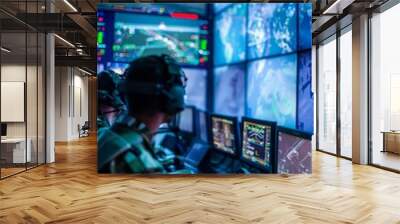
(230, 35)
(271, 29)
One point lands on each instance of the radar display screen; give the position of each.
(294, 153)
(257, 141)
(224, 134)
(137, 35)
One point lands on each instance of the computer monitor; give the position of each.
(224, 132)
(294, 151)
(258, 144)
(202, 125)
(186, 120)
(3, 129)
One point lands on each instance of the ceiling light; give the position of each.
(70, 5)
(84, 71)
(337, 7)
(5, 50)
(65, 41)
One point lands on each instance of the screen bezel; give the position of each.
(235, 132)
(293, 132)
(273, 151)
(207, 128)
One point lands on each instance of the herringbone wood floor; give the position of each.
(70, 191)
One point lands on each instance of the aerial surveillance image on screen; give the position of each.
(294, 154)
(137, 35)
(305, 15)
(229, 90)
(271, 29)
(196, 87)
(223, 135)
(230, 35)
(305, 105)
(257, 143)
(271, 90)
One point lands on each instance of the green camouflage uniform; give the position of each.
(124, 148)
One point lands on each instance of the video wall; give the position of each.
(249, 102)
(130, 31)
(268, 56)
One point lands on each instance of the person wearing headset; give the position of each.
(154, 89)
(110, 103)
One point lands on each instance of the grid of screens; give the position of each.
(294, 154)
(257, 143)
(229, 90)
(224, 134)
(273, 47)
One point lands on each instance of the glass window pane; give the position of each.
(13, 85)
(346, 94)
(327, 96)
(385, 84)
(32, 97)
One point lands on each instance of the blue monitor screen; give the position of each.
(196, 88)
(185, 120)
(305, 14)
(220, 6)
(271, 90)
(230, 35)
(305, 121)
(137, 35)
(271, 29)
(229, 92)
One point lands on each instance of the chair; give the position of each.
(84, 130)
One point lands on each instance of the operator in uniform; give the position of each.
(110, 103)
(154, 89)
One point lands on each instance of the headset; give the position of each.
(171, 91)
(113, 98)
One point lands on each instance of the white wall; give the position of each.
(71, 94)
